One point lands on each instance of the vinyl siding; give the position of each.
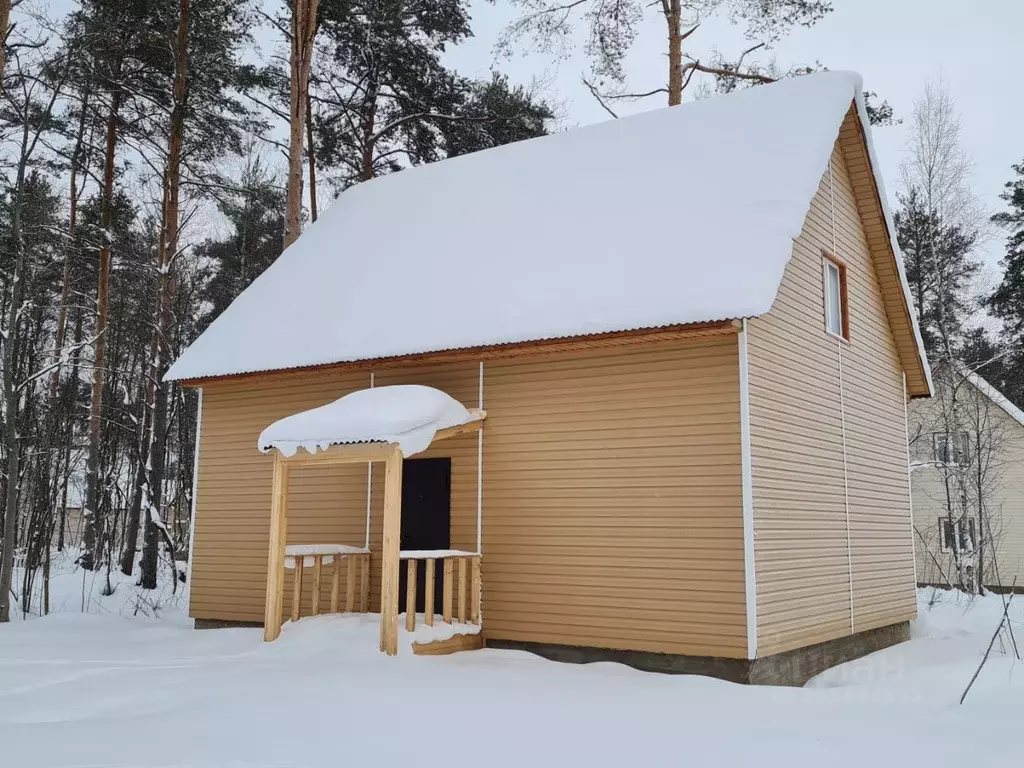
(1004, 486)
(828, 444)
(612, 502)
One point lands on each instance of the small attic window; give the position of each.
(836, 318)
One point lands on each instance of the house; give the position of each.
(682, 344)
(967, 456)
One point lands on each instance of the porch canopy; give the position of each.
(377, 424)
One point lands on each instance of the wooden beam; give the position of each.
(350, 584)
(340, 454)
(318, 567)
(446, 596)
(410, 596)
(274, 604)
(300, 561)
(462, 590)
(428, 592)
(364, 583)
(390, 548)
(452, 644)
(474, 600)
(335, 584)
(462, 429)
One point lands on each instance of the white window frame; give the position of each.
(957, 530)
(828, 263)
(940, 448)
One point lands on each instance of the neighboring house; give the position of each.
(693, 340)
(967, 455)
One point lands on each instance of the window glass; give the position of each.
(833, 299)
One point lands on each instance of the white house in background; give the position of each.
(968, 455)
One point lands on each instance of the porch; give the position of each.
(442, 586)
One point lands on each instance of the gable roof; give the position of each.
(995, 396)
(676, 216)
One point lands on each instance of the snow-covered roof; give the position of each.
(995, 396)
(407, 414)
(679, 215)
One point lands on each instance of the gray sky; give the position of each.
(895, 44)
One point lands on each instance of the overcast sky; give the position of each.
(895, 44)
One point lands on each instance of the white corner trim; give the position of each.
(746, 464)
(846, 482)
(195, 494)
(480, 466)
(910, 483)
(369, 490)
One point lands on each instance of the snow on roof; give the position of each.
(995, 396)
(679, 215)
(407, 414)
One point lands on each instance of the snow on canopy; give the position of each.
(679, 215)
(407, 414)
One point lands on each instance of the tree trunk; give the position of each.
(311, 154)
(10, 390)
(5, 22)
(675, 53)
(92, 535)
(161, 345)
(303, 31)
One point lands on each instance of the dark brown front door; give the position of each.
(426, 520)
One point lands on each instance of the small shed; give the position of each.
(692, 339)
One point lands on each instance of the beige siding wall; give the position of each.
(612, 501)
(1003, 487)
(828, 442)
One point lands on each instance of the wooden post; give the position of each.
(428, 592)
(300, 563)
(335, 583)
(364, 584)
(474, 601)
(318, 567)
(446, 596)
(410, 595)
(462, 590)
(274, 605)
(389, 553)
(350, 584)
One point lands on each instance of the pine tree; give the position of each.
(1007, 302)
(940, 268)
(255, 215)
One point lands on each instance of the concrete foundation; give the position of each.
(794, 667)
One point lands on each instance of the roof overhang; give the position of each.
(689, 332)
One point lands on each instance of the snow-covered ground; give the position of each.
(111, 689)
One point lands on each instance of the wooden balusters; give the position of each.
(318, 567)
(462, 590)
(428, 592)
(410, 595)
(335, 584)
(355, 565)
(297, 588)
(364, 584)
(350, 584)
(474, 603)
(446, 596)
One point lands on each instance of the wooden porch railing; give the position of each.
(467, 587)
(349, 563)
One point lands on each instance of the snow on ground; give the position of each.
(101, 689)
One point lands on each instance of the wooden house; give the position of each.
(967, 460)
(684, 345)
